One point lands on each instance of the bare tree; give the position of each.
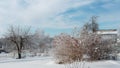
(94, 24)
(18, 37)
(43, 42)
(91, 26)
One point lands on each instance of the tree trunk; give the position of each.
(19, 56)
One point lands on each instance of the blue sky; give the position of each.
(57, 16)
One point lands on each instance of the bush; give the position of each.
(67, 54)
(95, 47)
(66, 49)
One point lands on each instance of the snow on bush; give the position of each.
(66, 49)
(93, 43)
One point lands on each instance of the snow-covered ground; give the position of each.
(48, 62)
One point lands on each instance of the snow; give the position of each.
(48, 62)
(42, 62)
(107, 32)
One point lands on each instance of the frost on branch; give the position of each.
(66, 49)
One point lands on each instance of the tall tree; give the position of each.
(94, 24)
(18, 37)
(90, 27)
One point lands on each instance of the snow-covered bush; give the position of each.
(66, 49)
(94, 45)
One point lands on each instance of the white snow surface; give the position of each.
(48, 62)
(107, 32)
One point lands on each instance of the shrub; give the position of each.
(67, 49)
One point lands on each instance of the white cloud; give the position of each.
(37, 13)
(35, 9)
(50, 13)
